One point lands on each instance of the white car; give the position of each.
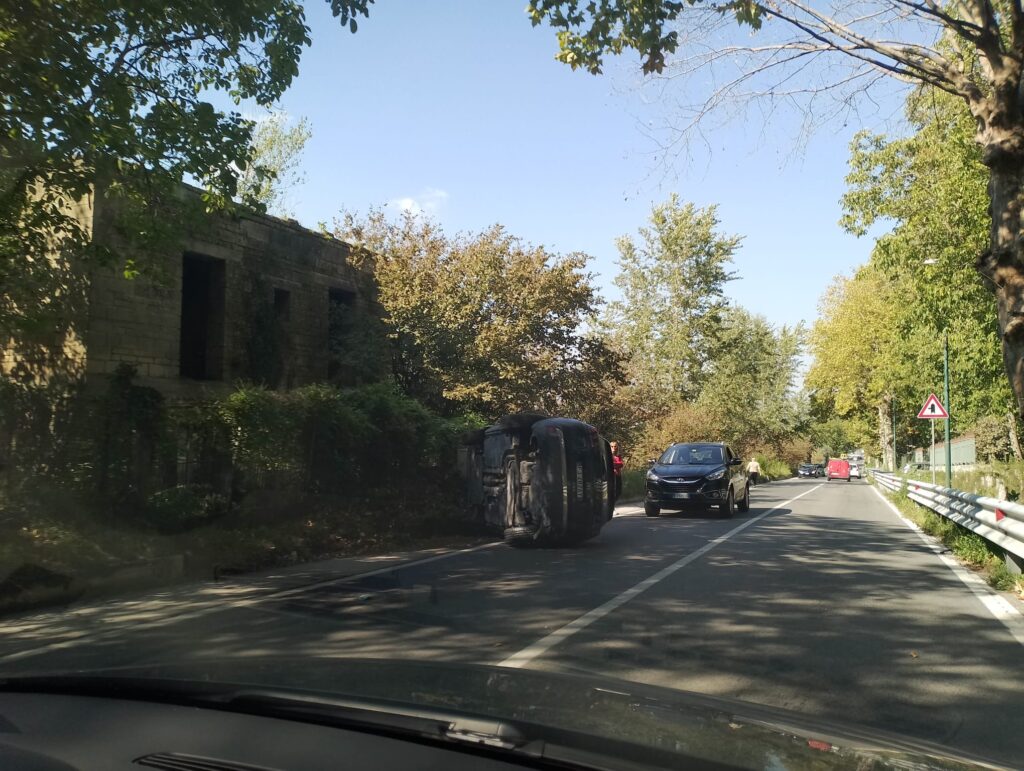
(854, 471)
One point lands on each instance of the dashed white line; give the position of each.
(542, 646)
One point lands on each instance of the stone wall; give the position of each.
(258, 259)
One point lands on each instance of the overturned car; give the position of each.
(539, 480)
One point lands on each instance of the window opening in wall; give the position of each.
(340, 303)
(201, 350)
(282, 304)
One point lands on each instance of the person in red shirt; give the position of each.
(617, 464)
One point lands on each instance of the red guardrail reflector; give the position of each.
(999, 514)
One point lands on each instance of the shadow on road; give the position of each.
(846, 618)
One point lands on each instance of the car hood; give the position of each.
(683, 470)
(628, 722)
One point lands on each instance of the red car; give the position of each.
(838, 469)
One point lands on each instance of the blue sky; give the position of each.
(458, 107)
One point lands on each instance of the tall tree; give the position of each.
(484, 322)
(113, 97)
(751, 383)
(673, 280)
(931, 186)
(273, 168)
(970, 49)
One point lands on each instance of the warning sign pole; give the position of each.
(932, 456)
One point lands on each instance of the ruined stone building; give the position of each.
(245, 297)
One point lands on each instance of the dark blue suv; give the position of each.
(697, 475)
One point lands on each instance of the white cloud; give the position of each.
(429, 201)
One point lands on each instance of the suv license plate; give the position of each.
(682, 495)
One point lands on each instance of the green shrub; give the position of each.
(184, 507)
(634, 484)
(772, 468)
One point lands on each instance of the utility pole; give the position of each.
(949, 408)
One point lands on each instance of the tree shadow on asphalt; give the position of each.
(840, 618)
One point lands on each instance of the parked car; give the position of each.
(697, 475)
(809, 470)
(538, 480)
(855, 470)
(838, 468)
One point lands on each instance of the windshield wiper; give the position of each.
(297, 705)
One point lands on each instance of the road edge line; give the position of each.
(549, 641)
(998, 606)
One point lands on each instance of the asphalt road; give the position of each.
(819, 600)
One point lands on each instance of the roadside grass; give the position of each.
(633, 485)
(970, 548)
(772, 468)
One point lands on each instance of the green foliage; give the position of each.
(110, 99)
(773, 468)
(991, 438)
(634, 484)
(324, 439)
(484, 322)
(671, 316)
(586, 31)
(273, 169)
(747, 398)
(129, 431)
(184, 507)
(359, 346)
(751, 380)
(879, 333)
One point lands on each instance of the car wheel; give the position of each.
(651, 511)
(728, 508)
(744, 506)
(520, 536)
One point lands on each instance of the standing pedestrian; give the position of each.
(754, 471)
(617, 464)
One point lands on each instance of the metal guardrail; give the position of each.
(998, 521)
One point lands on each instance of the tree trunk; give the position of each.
(1003, 265)
(885, 433)
(1011, 424)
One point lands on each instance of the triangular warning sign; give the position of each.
(933, 408)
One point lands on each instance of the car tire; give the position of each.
(744, 507)
(651, 510)
(728, 507)
(520, 537)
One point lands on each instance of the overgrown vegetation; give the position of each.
(246, 481)
(877, 344)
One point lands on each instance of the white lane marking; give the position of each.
(1001, 608)
(529, 653)
(217, 606)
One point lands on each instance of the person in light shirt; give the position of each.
(754, 471)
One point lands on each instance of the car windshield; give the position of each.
(468, 355)
(692, 455)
